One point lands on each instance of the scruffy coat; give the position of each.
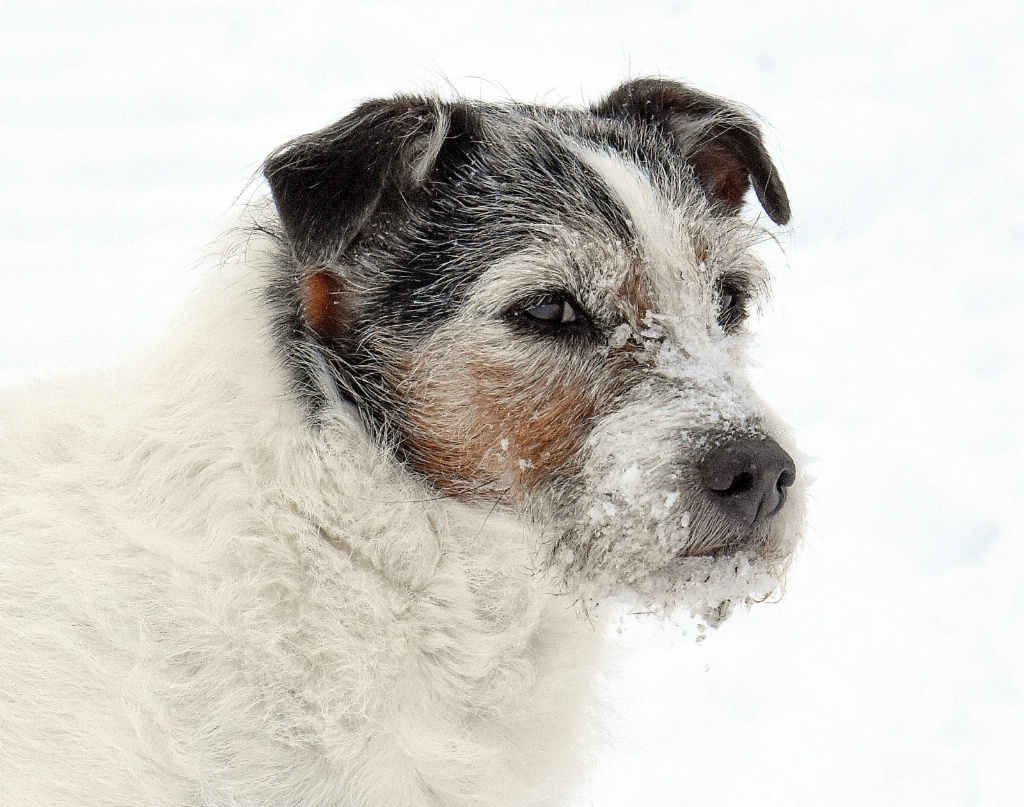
(204, 601)
(250, 571)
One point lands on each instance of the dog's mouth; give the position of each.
(695, 531)
(710, 586)
(710, 536)
(668, 568)
(675, 550)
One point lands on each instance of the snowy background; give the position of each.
(892, 673)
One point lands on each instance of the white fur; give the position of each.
(204, 600)
(647, 209)
(209, 598)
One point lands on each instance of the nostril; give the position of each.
(741, 483)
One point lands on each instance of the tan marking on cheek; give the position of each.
(324, 304)
(485, 424)
(543, 441)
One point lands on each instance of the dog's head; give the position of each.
(545, 307)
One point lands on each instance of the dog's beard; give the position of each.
(637, 519)
(672, 557)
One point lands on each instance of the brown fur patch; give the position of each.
(324, 304)
(479, 422)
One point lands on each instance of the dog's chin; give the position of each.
(709, 587)
(675, 565)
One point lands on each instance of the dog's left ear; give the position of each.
(723, 144)
(356, 176)
(354, 180)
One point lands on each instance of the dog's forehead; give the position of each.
(666, 227)
(631, 221)
(546, 201)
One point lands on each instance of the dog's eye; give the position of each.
(732, 304)
(552, 311)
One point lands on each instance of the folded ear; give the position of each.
(334, 185)
(722, 143)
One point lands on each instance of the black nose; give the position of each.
(747, 480)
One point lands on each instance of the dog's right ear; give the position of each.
(720, 141)
(343, 182)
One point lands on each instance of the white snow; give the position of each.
(892, 671)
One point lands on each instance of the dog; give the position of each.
(468, 374)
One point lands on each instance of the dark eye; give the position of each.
(732, 304)
(552, 311)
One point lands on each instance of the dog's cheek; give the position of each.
(479, 422)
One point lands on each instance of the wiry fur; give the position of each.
(329, 544)
(204, 601)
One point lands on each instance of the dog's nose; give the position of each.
(747, 480)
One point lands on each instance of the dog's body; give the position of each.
(342, 540)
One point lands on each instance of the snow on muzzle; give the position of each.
(682, 493)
